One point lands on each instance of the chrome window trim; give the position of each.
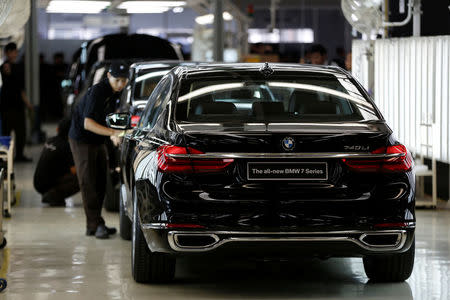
(304, 155)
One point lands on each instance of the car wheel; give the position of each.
(112, 193)
(4, 242)
(147, 266)
(390, 268)
(125, 222)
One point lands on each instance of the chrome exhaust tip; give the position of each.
(193, 241)
(382, 239)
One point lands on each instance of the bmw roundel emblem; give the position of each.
(288, 143)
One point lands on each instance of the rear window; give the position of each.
(277, 99)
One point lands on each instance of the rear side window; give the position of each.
(146, 82)
(278, 99)
(156, 103)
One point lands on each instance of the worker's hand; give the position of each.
(118, 133)
(29, 106)
(6, 69)
(73, 170)
(116, 140)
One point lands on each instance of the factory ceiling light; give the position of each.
(77, 7)
(148, 7)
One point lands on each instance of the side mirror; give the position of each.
(118, 121)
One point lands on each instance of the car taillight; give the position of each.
(135, 120)
(393, 164)
(169, 164)
(171, 226)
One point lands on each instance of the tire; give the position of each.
(125, 222)
(147, 266)
(3, 244)
(390, 268)
(112, 193)
(3, 284)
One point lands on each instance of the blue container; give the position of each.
(5, 141)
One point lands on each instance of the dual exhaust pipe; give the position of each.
(185, 241)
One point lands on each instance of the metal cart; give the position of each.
(3, 282)
(7, 155)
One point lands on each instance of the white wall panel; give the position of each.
(412, 87)
(360, 57)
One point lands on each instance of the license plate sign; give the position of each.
(287, 171)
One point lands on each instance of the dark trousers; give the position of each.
(15, 120)
(91, 162)
(63, 188)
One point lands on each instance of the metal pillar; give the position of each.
(32, 57)
(218, 31)
(32, 70)
(417, 12)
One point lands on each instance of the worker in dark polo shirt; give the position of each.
(87, 136)
(55, 176)
(13, 101)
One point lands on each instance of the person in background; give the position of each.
(46, 89)
(87, 137)
(55, 176)
(306, 59)
(59, 66)
(318, 55)
(348, 62)
(13, 101)
(59, 69)
(339, 60)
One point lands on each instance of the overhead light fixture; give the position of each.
(77, 7)
(177, 10)
(150, 7)
(209, 18)
(147, 10)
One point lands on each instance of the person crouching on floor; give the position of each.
(55, 176)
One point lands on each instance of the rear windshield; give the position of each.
(278, 99)
(146, 82)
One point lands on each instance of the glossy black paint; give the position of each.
(228, 201)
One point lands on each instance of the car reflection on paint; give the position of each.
(256, 159)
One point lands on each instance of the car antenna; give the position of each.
(266, 70)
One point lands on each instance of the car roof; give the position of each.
(200, 70)
(158, 64)
(108, 62)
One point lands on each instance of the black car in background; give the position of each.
(280, 160)
(133, 47)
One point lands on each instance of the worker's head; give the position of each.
(318, 54)
(118, 75)
(11, 52)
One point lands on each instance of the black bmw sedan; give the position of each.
(265, 159)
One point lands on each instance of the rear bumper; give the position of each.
(332, 243)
